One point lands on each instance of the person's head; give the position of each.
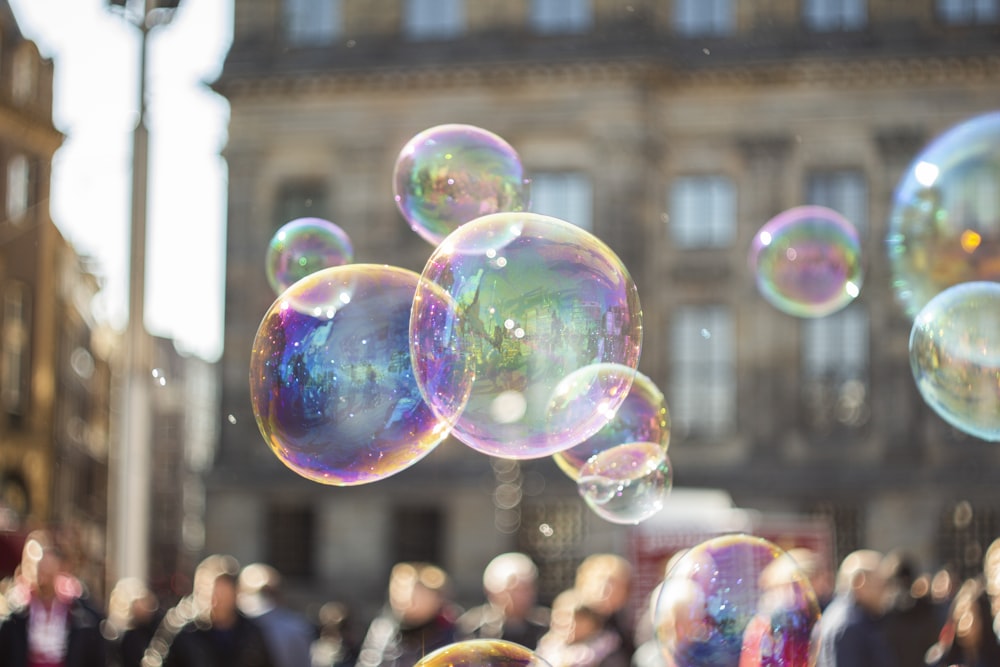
(573, 619)
(604, 581)
(861, 575)
(224, 591)
(971, 614)
(510, 581)
(204, 581)
(816, 569)
(259, 586)
(417, 592)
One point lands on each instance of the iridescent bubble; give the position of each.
(626, 484)
(482, 653)
(333, 391)
(955, 357)
(734, 600)
(641, 417)
(450, 174)
(944, 227)
(304, 246)
(807, 261)
(536, 299)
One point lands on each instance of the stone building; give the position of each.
(672, 130)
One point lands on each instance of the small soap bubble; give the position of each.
(562, 301)
(304, 246)
(807, 261)
(944, 226)
(448, 175)
(626, 484)
(482, 653)
(231, 419)
(955, 357)
(733, 600)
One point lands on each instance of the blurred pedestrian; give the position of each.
(288, 634)
(781, 631)
(580, 636)
(604, 582)
(229, 638)
(335, 646)
(510, 582)
(419, 618)
(50, 624)
(850, 634)
(911, 622)
(967, 638)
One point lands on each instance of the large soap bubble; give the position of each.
(450, 174)
(955, 357)
(331, 381)
(735, 600)
(482, 653)
(536, 299)
(641, 417)
(304, 246)
(944, 227)
(627, 484)
(807, 261)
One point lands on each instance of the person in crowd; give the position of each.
(289, 635)
(991, 574)
(335, 646)
(817, 570)
(419, 618)
(911, 623)
(604, 581)
(134, 614)
(850, 634)
(50, 624)
(510, 582)
(226, 637)
(967, 639)
(944, 584)
(579, 636)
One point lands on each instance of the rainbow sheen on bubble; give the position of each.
(331, 382)
(642, 417)
(807, 261)
(955, 357)
(450, 174)
(626, 484)
(944, 227)
(736, 600)
(536, 299)
(482, 653)
(304, 246)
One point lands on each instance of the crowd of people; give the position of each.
(879, 611)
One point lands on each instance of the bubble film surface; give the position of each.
(450, 174)
(482, 653)
(304, 246)
(628, 483)
(955, 357)
(642, 417)
(331, 381)
(536, 299)
(736, 600)
(944, 227)
(807, 261)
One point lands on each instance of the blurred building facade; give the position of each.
(672, 130)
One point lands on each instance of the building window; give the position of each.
(23, 76)
(291, 539)
(417, 535)
(834, 15)
(703, 370)
(968, 12)
(843, 190)
(300, 199)
(312, 22)
(835, 368)
(561, 16)
(15, 341)
(702, 211)
(434, 19)
(566, 195)
(699, 18)
(18, 188)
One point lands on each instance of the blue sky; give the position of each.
(95, 53)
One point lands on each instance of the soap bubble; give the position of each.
(944, 227)
(304, 246)
(626, 484)
(333, 389)
(536, 299)
(807, 261)
(641, 417)
(732, 599)
(482, 653)
(450, 174)
(955, 357)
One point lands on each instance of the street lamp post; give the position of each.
(131, 468)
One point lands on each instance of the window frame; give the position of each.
(721, 230)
